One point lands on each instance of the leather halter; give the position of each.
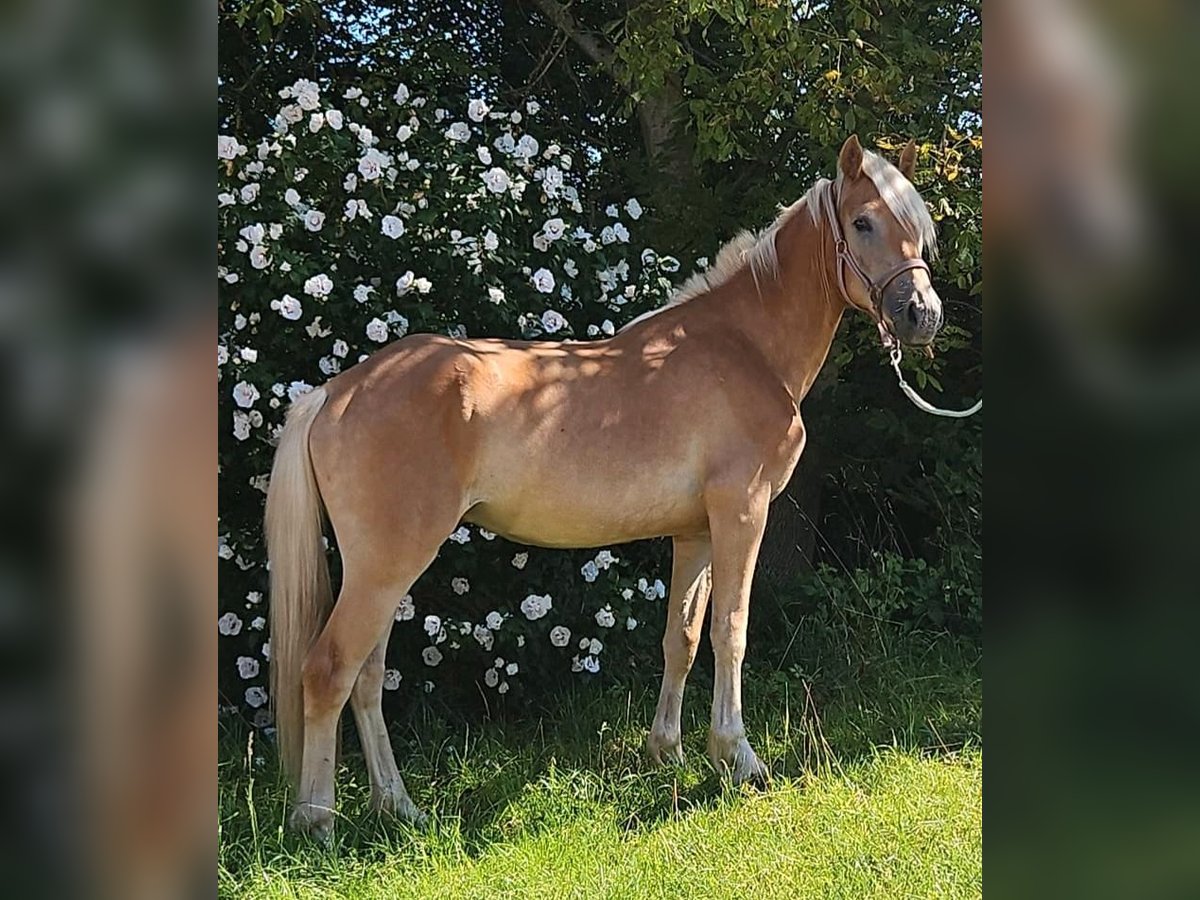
(845, 258)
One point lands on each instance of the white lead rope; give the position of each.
(921, 404)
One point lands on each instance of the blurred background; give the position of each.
(108, 583)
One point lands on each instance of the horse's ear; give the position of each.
(908, 160)
(850, 160)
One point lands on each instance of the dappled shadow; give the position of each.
(494, 782)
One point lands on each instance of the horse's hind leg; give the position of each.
(387, 787)
(360, 620)
(691, 583)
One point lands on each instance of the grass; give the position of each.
(876, 753)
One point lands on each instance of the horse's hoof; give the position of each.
(665, 750)
(733, 758)
(401, 807)
(314, 821)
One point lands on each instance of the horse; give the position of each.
(685, 424)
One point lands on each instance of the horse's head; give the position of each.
(882, 231)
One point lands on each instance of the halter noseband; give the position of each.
(845, 258)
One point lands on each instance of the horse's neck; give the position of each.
(792, 317)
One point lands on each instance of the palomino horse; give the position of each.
(578, 445)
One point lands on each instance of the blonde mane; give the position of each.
(758, 251)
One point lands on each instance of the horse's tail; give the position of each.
(301, 596)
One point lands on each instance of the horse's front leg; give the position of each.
(737, 519)
(691, 584)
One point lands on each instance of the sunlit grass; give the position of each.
(876, 793)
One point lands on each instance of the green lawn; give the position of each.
(876, 753)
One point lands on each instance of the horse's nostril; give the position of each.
(914, 314)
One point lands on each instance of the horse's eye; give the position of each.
(861, 224)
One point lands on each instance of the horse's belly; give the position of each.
(591, 514)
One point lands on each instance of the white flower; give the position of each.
(404, 283)
(605, 618)
(431, 655)
(402, 94)
(494, 620)
(543, 281)
(362, 292)
(503, 689)
(249, 192)
(291, 197)
(631, 623)
(487, 535)
(372, 164)
(496, 295)
(477, 110)
(591, 664)
(608, 236)
(333, 118)
(433, 625)
(604, 559)
(316, 122)
(560, 636)
(633, 208)
(512, 668)
(391, 679)
(249, 354)
(527, 147)
(397, 322)
(229, 624)
(484, 637)
(340, 348)
(484, 154)
(253, 234)
(590, 571)
(350, 183)
(460, 585)
(298, 389)
(534, 607)
(423, 285)
(621, 232)
(258, 623)
(497, 180)
(553, 322)
(553, 229)
(392, 226)
(659, 588)
(458, 132)
(241, 425)
(222, 354)
(259, 258)
(491, 678)
(319, 285)
(314, 219)
(247, 667)
(608, 328)
(407, 610)
(462, 535)
(225, 199)
(228, 147)
(520, 560)
(670, 264)
(244, 394)
(255, 697)
(594, 646)
(377, 330)
(490, 240)
(552, 181)
(306, 94)
(532, 107)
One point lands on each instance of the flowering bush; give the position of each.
(374, 213)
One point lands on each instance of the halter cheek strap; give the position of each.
(845, 258)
